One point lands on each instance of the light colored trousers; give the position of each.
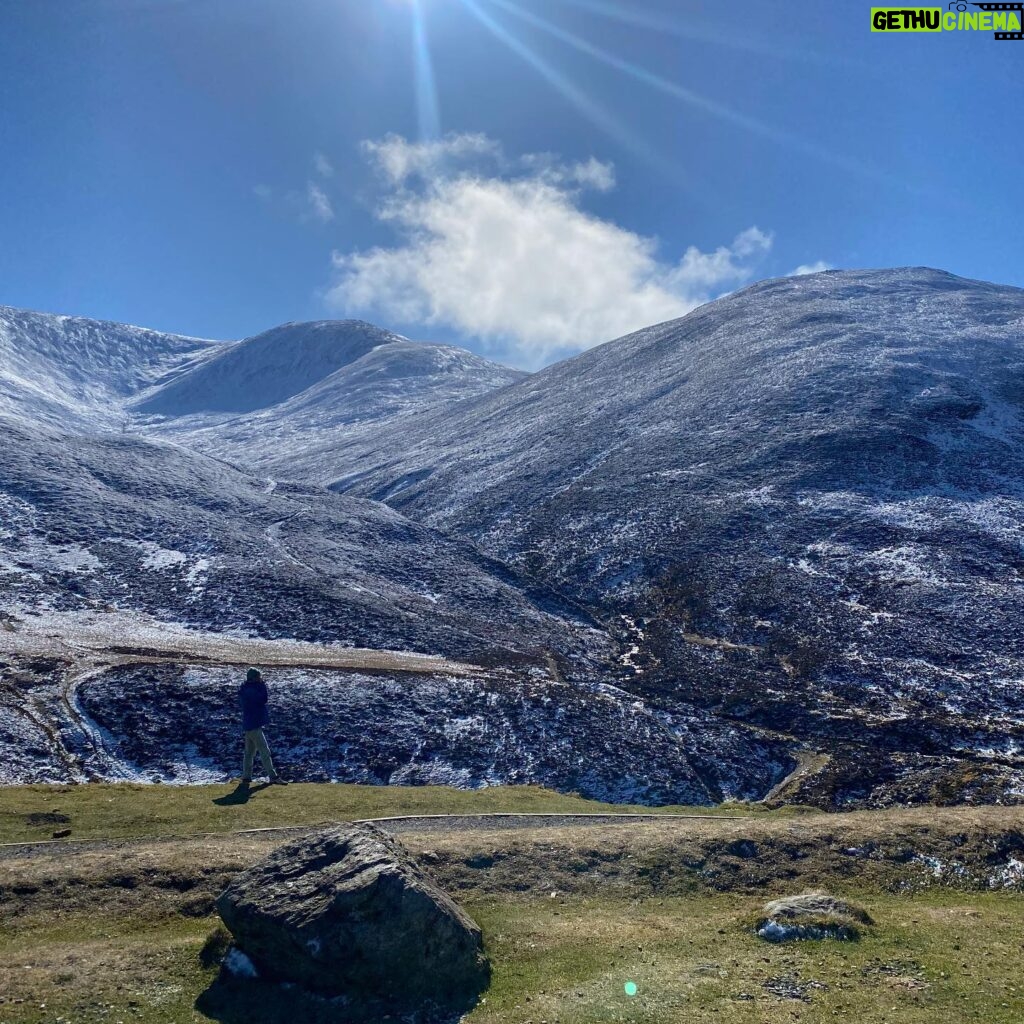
(256, 743)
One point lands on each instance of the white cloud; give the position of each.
(509, 257)
(592, 173)
(810, 268)
(705, 272)
(317, 203)
(263, 192)
(398, 159)
(323, 166)
(751, 242)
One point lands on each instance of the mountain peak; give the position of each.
(268, 368)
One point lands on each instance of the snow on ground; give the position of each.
(180, 724)
(1009, 877)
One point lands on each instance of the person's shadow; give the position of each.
(240, 794)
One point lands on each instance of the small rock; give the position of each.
(743, 848)
(813, 915)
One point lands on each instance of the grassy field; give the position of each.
(31, 813)
(932, 958)
(569, 914)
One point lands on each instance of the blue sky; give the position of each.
(526, 177)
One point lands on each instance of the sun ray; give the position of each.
(688, 96)
(428, 109)
(591, 110)
(632, 15)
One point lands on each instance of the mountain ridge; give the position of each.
(39, 380)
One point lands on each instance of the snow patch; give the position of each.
(238, 965)
(1009, 877)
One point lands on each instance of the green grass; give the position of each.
(30, 813)
(113, 934)
(933, 957)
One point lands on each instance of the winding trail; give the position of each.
(273, 535)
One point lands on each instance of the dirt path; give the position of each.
(809, 763)
(446, 824)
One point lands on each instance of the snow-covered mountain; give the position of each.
(119, 554)
(68, 371)
(149, 527)
(788, 527)
(287, 396)
(807, 499)
(296, 388)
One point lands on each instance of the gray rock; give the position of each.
(347, 913)
(812, 915)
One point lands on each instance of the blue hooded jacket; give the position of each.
(253, 697)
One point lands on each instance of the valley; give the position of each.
(770, 550)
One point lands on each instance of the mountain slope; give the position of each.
(126, 539)
(75, 372)
(810, 493)
(150, 527)
(298, 436)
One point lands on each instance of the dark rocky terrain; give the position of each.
(491, 728)
(805, 499)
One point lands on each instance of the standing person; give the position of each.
(253, 697)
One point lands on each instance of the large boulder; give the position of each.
(347, 913)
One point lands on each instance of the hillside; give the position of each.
(134, 572)
(379, 384)
(804, 499)
(72, 372)
(153, 528)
